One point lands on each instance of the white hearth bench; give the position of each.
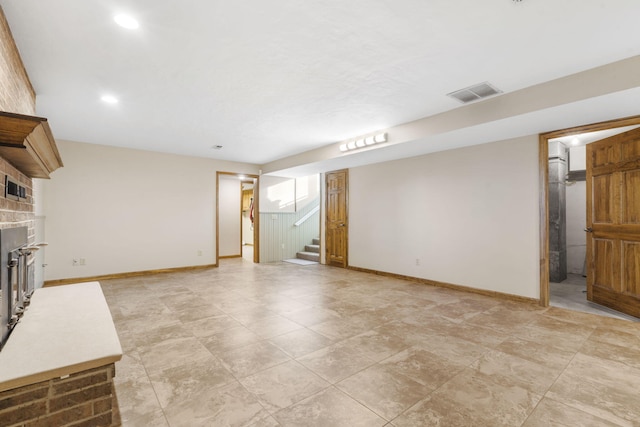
(58, 364)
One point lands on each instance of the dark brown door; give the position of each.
(613, 222)
(337, 228)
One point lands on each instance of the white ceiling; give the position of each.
(270, 79)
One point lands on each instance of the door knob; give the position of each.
(340, 225)
(589, 230)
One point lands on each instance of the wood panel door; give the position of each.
(337, 225)
(613, 222)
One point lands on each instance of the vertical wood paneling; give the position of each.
(278, 229)
(631, 272)
(631, 194)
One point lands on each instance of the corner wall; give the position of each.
(16, 96)
(467, 216)
(122, 210)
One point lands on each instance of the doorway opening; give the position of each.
(237, 219)
(563, 229)
(248, 220)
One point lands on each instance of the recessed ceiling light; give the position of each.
(126, 21)
(109, 99)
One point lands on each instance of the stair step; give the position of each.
(312, 248)
(316, 241)
(309, 256)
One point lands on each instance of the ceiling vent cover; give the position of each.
(473, 93)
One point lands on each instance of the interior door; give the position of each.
(613, 222)
(337, 227)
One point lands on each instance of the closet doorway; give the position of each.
(237, 216)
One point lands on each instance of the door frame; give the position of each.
(543, 175)
(256, 222)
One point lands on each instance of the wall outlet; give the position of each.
(83, 261)
(283, 246)
(199, 252)
(417, 261)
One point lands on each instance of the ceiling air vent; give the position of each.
(473, 93)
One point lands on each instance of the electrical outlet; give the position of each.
(83, 261)
(283, 246)
(199, 252)
(417, 261)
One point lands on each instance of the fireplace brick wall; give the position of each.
(16, 96)
(82, 399)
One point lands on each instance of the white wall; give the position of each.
(469, 216)
(126, 210)
(578, 158)
(576, 222)
(40, 236)
(576, 208)
(229, 209)
(279, 194)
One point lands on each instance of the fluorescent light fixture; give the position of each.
(126, 21)
(381, 137)
(363, 142)
(109, 99)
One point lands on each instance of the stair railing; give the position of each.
(307, 216)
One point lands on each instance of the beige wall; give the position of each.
(126, 210)
(469, 216)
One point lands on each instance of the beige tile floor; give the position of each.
(288, 345)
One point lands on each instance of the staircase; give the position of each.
(311, 252)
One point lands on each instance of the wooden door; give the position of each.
(337, 226)
(613, 222)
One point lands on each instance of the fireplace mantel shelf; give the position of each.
(28, 144)
(65, 330)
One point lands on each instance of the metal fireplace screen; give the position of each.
(16, 278)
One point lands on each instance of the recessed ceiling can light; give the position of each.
(109, 99)
(381, 137)
(126, 21)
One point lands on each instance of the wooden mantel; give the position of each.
(28, 144)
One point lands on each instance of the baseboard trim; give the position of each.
(60, 282)
(462, 288)
(230, 256)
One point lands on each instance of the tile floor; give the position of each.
(286, 345)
